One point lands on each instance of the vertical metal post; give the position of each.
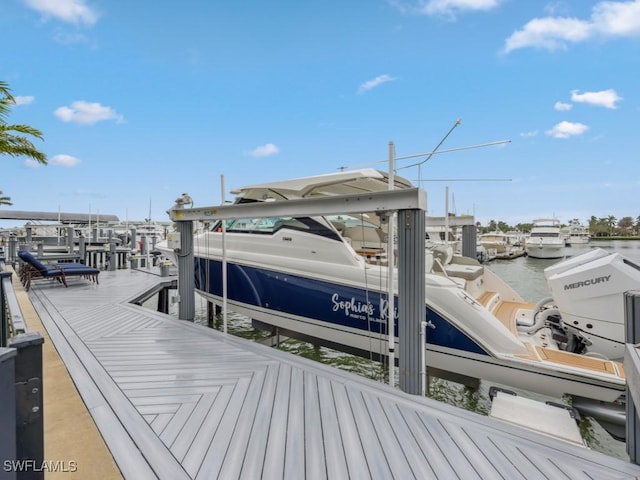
(134, 243)
(82, 249)
(4, 318)
(469, 241)
(113, 260)
(391, 245)
(70, 238)
(29, 405)
(632, 336)
(13, 244)
(411, 299)
(8, 410)
(186, 281)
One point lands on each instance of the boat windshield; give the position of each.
(270, 225)
(545, 234)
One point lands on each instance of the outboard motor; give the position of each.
(588, 290)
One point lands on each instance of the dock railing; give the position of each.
(12, 321)
(21, 382)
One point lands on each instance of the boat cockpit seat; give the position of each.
(467, 272)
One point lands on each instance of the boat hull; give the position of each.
(545, 250)
(352, 319)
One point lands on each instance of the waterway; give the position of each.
(524, 274)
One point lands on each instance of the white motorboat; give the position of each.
(545, 239)
(577, 234)
(324, 279)
(502, 244)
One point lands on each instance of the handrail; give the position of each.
(11, 319)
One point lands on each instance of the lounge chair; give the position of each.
(33, 269)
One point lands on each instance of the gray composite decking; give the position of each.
(175, 400)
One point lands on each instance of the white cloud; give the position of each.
(24, 99)
(567, 129)
(63, 160)
(265, 150)
(533, 133)
(562, 106)
(87, 113)
(376, 82)
(446, 8)
(548, 33)
(31, 163)
(69, 11)
(604, 98)
(608, 19)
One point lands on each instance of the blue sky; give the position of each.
(141, 101)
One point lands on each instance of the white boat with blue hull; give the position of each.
(304, 277)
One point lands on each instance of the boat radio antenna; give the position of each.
(430, 154)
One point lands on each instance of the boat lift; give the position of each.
(410, 206)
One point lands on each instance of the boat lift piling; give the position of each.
(410, 205)
(186, 280)
(411, 301)
(632, 370)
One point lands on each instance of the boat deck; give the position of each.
(177, 400)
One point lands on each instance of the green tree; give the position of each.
(503, 227)
(13, 138)
(626, 224)
(4, 200)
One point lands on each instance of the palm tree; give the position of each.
(10, 143)
(611, 221)
(5, 200)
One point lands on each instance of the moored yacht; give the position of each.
(502, 244)
(577, 234)
(545, 239)
(318, 278)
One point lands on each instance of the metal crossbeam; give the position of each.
(406, 199)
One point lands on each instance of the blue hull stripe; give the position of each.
(318, 300)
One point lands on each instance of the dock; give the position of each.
(177, 400)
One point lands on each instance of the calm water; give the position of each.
(524, 274)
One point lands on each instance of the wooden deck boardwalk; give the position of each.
(176, 400)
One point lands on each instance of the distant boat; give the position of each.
(546, 239)
(503, 245)
(577, 234)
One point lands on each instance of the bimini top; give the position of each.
(339, 183)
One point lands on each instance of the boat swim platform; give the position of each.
(177, 400)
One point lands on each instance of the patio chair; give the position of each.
(33, 269)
